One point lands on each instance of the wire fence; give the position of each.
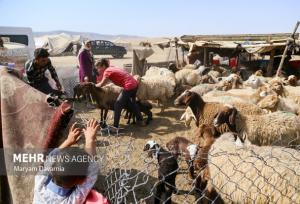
(229, 172)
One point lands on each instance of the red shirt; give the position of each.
(120, 78)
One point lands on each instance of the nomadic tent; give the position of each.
(58, 44)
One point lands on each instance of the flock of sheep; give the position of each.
(246, 147)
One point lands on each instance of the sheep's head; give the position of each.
(276, 85)
(185, 98)
(269, 102)
(292, 80)
(192, 149)
(227, 115)
(258, 73)
(264, 90)
(152, 148)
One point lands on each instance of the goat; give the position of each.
(181, 146)
(167, 171)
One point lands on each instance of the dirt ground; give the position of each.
(123, 162)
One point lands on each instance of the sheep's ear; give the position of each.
(232, 116)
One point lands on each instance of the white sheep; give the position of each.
(253, 174)
(188, 116)
(274, 103)
(156, 88)
(161, 72)
(255, 81)
(278, 128)
(188, 77)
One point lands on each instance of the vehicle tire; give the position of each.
(118, 56)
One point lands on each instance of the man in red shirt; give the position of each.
(121, 78)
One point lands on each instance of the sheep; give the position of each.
(158, 89)
(106, 97)
(291, 80)
(167, 171)
(274, 103)
(154, 72)
(202, 89)
(78, 92)
(242, 173)
(278, 128)
(233, 81)
(188, 116)
(276, 84)
(180, 146)
(248, 95)
(205, 111)
(293, 93)
(188, 77)
(255, 81)
(145, 107)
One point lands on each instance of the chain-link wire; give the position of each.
(248, 174)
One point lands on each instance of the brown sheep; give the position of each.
(181, 146)
(204, 191)
(206, 111)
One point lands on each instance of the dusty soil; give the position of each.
(123, 155)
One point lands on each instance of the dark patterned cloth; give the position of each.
(26, 122)
(36, 75)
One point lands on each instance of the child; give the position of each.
(73, 184)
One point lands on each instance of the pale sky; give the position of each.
(153, 18)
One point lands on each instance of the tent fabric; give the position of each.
(255, 47)
(57, 44)
(139, 60)
(27, 123)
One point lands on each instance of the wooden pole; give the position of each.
(270, 65)
(285, 50)
(205, 56)
(176, 52)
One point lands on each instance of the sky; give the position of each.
(153, 18)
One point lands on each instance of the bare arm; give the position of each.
(102, 82)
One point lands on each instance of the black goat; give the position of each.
(167, 171)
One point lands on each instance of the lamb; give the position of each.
(188, 116)
(167, 171)
(278, 128)
(154, 89)
(180, 146)
(145, 107)
(254, 174)
(205, 111)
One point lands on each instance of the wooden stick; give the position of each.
(285, 50)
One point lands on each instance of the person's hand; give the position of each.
(91, 130)
(73, 137)
(58, 85)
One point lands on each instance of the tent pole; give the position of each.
(285, 50)
(270, 64)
